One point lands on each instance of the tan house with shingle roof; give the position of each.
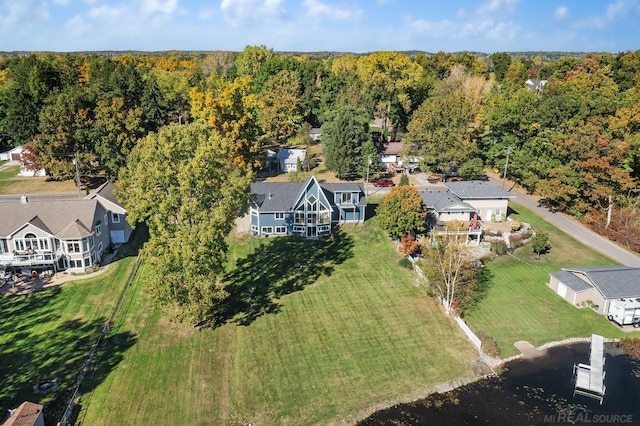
(61, 234)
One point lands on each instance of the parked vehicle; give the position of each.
(384, 182)
(625, 312)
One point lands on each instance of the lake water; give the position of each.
(530, 392)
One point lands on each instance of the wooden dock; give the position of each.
(589, 378)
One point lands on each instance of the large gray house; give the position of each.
(307, 209)
(61, 234)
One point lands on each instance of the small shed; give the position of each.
(288, 159)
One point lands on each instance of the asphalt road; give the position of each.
(572, 227)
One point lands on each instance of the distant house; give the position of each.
(444, 206)
(61, 234)
(11, 155)
(391, 156)
(306, 209)
(27, 414)
(600, 285)
(15, 154)
(490, 201)
(535, 85)
(288, 159)
(315, 134)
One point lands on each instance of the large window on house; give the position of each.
(299, 217)
(345, 198)
(312, 218)
(279, 216)
(115, 217)
(73, 247)
(4, 246)
(32, 242)
(298, 229)
(267, 229)
(324, 217)
(281, 229)
(98, 228)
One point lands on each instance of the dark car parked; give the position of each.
(384, 182)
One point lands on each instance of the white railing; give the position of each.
(48, 258)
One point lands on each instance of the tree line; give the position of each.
(182, 133)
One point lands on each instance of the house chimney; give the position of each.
(24, 199)
(269, 195)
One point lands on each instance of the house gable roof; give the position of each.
(478, 189)
(51, 216)
(392, 148)
(284, 196)
(613, 282)
(572, 281)
(444, 201)
(105, 195)
(25, 415)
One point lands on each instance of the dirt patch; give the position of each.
(480, 368)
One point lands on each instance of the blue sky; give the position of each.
(321, 25)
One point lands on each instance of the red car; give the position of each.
(384, 182)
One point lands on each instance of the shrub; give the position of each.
(516, 225)
(405, 263)
(489, 346)
(527, 234)
(515, 240)
(498, 246)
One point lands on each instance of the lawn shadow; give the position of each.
(278, 267)
(57, 354)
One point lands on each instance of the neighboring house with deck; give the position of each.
(61, 234)
(597, 285)
(489, 200)
(307, 209)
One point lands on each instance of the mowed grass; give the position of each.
(521, 306)
(328, 342)
(48, 334)
(11, 184)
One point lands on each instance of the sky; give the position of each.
(357, 26)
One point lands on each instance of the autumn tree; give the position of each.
(278, 113)
(449, 268)
(444, 128)
(402, 211)
(177, 182)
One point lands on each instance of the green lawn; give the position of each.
(47, 334)
(312, 338)
(520, 305)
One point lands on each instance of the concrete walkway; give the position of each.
(571, 226)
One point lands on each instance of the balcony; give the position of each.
(34, 259)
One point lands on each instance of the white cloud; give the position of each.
(318, 8)
(560, 12)
(247, 11)
(106, 12)
(77, 26)
(615, 11)
(149, 7)
(492, 7)
(23, 12)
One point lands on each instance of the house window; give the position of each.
(4, 246)
(87, 262)
(323, 228)
(311, 203)
(279, 216)
(299, 217)
(100, 248)
(312, 218)
(281, 229)
(106, 218)
(73, 247)
(324, 217)
(254, 228)
(115, 218)
(85, 244)
(75, 263)
(345, 198)
(267, 229)
(98, 228)
(298, 229)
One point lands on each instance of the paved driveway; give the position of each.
(572, 227)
